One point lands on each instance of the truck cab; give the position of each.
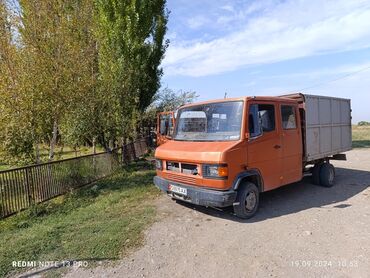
(226, 152)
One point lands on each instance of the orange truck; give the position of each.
(227, 152)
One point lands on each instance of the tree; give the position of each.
(131, 47)
(167, 100)
(58, 59)
(363, 123)
(15, 131)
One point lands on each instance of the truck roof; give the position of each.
(264, 98)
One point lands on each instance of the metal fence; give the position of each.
(23, 187)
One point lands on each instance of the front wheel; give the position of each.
(247, 201)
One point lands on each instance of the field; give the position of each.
(361, 136)
(99, 222)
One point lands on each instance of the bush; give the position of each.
(18, 146)
(363, 123)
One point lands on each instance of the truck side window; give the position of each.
(267, 115)
(261, 118)
(288, 117)
(171, 127)
(253, 121)
(166, 125)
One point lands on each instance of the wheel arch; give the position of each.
(252, 175)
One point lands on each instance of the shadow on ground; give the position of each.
(300, 196)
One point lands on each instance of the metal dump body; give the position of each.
(327, 128)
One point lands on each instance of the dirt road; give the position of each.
(301, 230)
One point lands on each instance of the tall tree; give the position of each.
(15, 134)
(58, 58)
(131, 48)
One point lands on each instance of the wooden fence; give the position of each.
(23, 187)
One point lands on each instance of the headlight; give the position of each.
(158, 164)
(215, 171)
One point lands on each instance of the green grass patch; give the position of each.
(361, 136)
(4, 167)
(102, 221)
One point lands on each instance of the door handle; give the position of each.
(277, 147)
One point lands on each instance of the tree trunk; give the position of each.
(94, 152)
(53, 140)
(37, 153)
(111, 145)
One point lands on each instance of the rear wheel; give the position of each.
(316, 173)
(247, 200)
(327, 175)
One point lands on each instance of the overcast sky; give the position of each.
(271, 47)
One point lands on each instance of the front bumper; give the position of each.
(198, 196)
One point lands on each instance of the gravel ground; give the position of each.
(300, 230)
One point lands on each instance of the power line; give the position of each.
(333, 80)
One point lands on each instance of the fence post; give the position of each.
(29, 187)
(94, 156)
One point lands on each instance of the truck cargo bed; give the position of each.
(326, 124)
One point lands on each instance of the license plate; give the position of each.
(178, 189)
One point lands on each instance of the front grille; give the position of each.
(173, 166)
(180, 178)
(180, 167)
(189, 169)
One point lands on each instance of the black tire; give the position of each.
(316, 173)
(327, 175)
(247, 192)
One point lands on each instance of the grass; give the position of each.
(361, 136)
(103, 221)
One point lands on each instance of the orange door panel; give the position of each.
(265, 151)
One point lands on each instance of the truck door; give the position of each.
(291, 143)
(165, 127)
(264, 145)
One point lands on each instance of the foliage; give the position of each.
(131, 38)
(77, 71)
(167, 100)
(363, 123)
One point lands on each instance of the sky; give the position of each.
(270, 47)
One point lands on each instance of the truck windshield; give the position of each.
(210, 122)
